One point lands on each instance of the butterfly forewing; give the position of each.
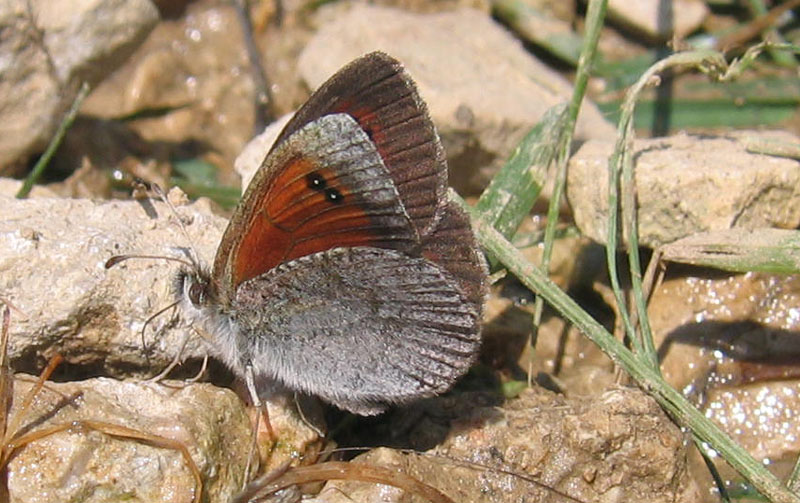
(324, 187)
(377, 92)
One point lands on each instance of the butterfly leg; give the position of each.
(176, 360)
(314, 428)
(250, 382)
(261, 411)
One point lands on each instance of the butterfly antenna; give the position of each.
(159, 192)
(116, 259)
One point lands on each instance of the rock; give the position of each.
(188, 82)
(760, 417)
(424, 6)
(9, 188)
(561, 350)
(688, 184)
(253, 154)
(86, 464)
(579, 367)
(715, 323)
(484, 92)
(52, 256)
(337, 491)
(590, 448)
(659, 20)
(50, 47)
(729, 342)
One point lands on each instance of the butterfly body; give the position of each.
(345, 273)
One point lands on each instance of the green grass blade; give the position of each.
(198, 178)
(758, 8)
(44, 160)
(595, 15)
(774, 147)
(739, 250)
(539, 28)
(512, 192)
(708, 113)
(704, 430)
(620, 168)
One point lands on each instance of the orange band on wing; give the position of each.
(295, 219)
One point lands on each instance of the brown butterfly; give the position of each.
(344, 272)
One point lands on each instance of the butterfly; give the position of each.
(345, 272)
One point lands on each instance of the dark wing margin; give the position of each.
(452, 245)
(379, 94)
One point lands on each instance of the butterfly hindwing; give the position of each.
(452, 246)
(396, 328)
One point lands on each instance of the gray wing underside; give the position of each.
(363, 328)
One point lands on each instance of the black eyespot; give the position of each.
(315, 181)
(333, 196)
(196, 293)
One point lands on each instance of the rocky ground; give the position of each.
(173, 85)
